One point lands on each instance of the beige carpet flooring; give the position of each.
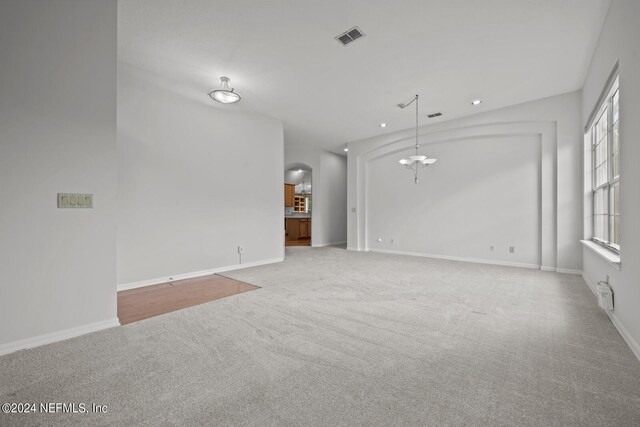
(345, 338)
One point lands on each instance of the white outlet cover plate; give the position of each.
(75, 201)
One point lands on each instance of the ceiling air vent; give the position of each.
(349, 36)
(433, 115)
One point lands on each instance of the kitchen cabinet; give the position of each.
(297, 229)
(300, 204)
(292, 229)
(304, 228)
(289, 195)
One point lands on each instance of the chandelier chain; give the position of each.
(416, 162)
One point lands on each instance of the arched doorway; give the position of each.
(298, 204)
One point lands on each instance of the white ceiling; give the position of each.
(296, 176)
(282, 57)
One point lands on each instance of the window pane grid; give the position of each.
(615, 148)
(616, 106)
(600, 164)
(605, 138)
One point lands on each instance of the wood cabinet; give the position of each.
(292, 228)
(289, 195)
(297, 229)
(304, 228)
(299, 204)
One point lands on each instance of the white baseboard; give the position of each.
(454, 258)
(323, 245)
(561, 270)
(57, 336)
(568, 271)
(590, 284)
(633, 345)
(176, 277)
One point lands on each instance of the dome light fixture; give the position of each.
(224, 94)
(414, 163)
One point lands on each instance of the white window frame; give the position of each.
(605, 103)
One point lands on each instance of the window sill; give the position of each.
(610, 256)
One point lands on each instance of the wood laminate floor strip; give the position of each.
(150, 301)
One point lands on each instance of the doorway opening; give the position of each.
(298, 205)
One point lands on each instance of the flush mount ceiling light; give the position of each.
(383, 125)
(476, 102)
(414, 163)
(346, 149)
(224, 94)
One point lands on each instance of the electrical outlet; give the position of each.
(240, 249)
(391, 241)
(490, 248)
(512, 249)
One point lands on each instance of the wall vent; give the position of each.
(432, 115)
(349, 36)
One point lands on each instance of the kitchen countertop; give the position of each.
(299, 215)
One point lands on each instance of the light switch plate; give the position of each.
(75, 201)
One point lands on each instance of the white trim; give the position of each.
(568, 271)
(57, 336)
(547, 268)
(635, 348)
(323, 245)
(590, 284)
(176, 277)
(633, 345)
(454, 258)
(610, 256)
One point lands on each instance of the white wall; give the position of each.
(333, 168)
(329, 193)
(619, 42)
(483, 192)
(195, 181)
(554, 122)
(57, 134)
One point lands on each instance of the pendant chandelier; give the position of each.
(417, 161)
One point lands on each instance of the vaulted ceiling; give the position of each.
(282, 57)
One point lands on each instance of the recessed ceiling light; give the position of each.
(476, 102)
(346, 149)
(383, 125)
